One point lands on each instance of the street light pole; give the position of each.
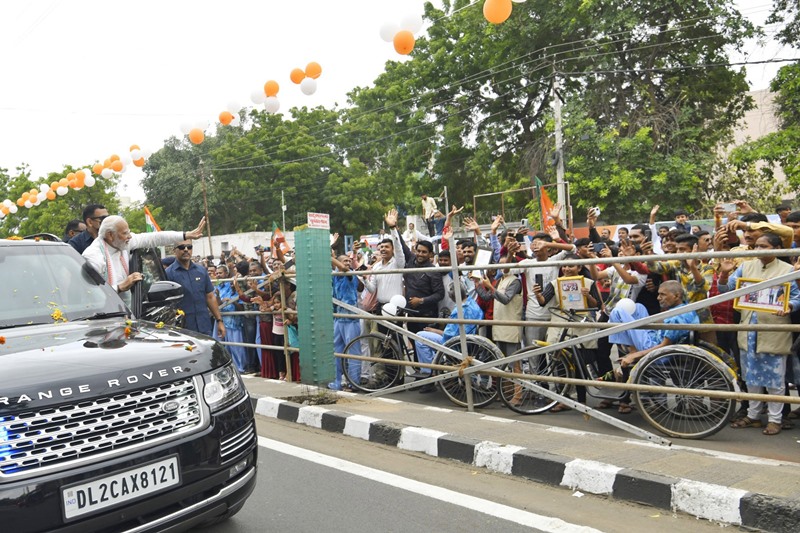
(205, 205)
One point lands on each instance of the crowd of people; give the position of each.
(528, 290)
(525, 289)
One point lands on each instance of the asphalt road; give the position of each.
(311, 480)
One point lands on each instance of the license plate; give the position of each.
(120, 487)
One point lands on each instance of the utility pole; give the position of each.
(283, 212)
(559, 146)
(205, 204)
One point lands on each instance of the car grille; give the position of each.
(231, 445)
(59, 437)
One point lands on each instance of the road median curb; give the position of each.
(702, 500)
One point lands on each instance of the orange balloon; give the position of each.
(34, 193)
(51, 195)
(225, 118)
(21, 202)
(313, 70)
(70, 176)
(24, 196)
(271, 88)
(97, 169)
(80, 182)
(80, 174)
(63, 182)
(54, 186)
(497, 11)
(114, 157)
(404, 42)
(297, 75)
(107, 164)
(4, 210)
(116, 166)
(139, 162)
(134, 147)
(196, 135)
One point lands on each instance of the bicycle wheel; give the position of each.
(526, 401)
(484, 388)
(373, 375)
(689, 367)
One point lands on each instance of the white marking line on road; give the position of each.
(437, 409)
(504, 512)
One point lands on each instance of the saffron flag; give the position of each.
(149, 221)
(278, 239)
(545, 203)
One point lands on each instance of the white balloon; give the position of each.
(412, 23)
(126, 160)
(8, 203)
(398, 300)
(89, 181)
(13, 208)
(233, 107)
(41, 197)
(389, 309)
(272, 104)
(43, 187)
(258, 97)
(124, 168)
(136, 155)
(28, 204)
(627, 305)
(61, 191)
(186, 127)
(308, 86)
(86, 172)
(388, 31)
(107, 173)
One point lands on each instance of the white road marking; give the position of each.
(504, 512)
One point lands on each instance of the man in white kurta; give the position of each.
(109, 253)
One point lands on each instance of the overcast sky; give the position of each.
(81, 79)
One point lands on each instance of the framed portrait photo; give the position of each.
(769, 300)
(569, 293)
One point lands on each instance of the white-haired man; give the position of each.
(109, 253)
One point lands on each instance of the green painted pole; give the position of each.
(314, 306)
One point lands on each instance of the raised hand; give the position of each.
(727, 265)
(627, 248)
(553, 232)
(391, 218)
(496, 223)
(555, 213)
(471, 225)
(198, 231)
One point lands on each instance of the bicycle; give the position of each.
(701, 366)
(379, 375)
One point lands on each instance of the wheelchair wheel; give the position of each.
(724, 356)
(688, 367)
(525, 401)
(484, 388)
(373, 376)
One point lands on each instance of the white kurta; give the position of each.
(112, 264)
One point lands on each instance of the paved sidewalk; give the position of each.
(733, 489)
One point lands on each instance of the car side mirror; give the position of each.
(163, 293)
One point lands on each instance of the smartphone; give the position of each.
(729, 207)
(648, 235)
(520, 237)
(539, 280)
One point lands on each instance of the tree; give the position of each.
(52, 216)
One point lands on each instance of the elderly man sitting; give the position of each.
(109, 253)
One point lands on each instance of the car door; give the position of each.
(155, 298)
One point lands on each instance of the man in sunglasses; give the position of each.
(93, 216)
(199, 298)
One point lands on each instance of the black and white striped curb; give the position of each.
(703, 500)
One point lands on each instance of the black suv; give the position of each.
(108, 423)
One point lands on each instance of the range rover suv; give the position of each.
(108, 422)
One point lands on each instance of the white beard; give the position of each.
(120, 244)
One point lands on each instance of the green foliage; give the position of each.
(52, 216)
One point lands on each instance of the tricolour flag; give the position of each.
(149, 221)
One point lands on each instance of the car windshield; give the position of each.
(47, 283)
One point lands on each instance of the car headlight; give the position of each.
(222, 387)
